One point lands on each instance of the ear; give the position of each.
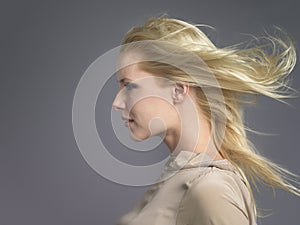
(179, 92)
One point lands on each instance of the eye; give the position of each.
(128, 85)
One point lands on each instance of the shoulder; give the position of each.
(217, 195)
(216, 184)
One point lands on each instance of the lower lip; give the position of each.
(129, 123)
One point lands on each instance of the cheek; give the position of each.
(142, 112)
(135, 100)
(154, 109)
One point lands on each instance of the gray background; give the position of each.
(45, 48)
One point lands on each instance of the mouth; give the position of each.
(129, 123)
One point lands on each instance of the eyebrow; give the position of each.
(122, 80)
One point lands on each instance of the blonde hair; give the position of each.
(241, 72)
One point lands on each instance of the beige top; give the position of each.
(202, 192)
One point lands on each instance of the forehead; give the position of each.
(128, 66)
(132, 72)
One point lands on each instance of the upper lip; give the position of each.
(126, 118)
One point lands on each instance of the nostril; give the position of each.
(118, 104)
(115, 108)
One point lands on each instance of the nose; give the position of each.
(118, 103)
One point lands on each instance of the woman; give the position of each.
(195, 105)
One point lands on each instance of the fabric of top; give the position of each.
(193, 189)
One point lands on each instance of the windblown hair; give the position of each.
(241, 72)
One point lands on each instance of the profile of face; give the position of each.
(146, 103)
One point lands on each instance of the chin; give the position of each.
(138, 136)
(141, 136)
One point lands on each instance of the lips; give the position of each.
(129, 122)
(128, 119)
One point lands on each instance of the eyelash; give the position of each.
(128, 85)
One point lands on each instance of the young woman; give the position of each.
(175, 83)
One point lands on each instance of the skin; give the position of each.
(165, 110)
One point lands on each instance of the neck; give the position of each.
(191, 133)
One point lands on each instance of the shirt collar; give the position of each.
(187, 159)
